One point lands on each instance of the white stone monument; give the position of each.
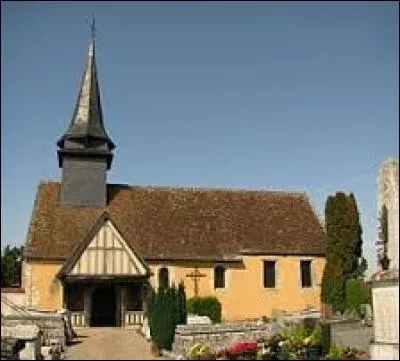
(385, 283)
(388, 195)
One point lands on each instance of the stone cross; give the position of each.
(195, 276)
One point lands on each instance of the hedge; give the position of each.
(205, 306)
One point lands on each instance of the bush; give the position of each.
(163, 315)
(205, 306)
(357, 293)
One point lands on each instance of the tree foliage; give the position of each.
(11, 266)
(205, 306)
(164, 313)
(357, 293)
(344, 259)
(181, 304)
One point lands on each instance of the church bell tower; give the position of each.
(85, 149)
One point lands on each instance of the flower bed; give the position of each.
(293, 343)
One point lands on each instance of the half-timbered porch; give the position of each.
(105, 280)
(105, 302)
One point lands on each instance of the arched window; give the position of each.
(163, 277)
(219, 277)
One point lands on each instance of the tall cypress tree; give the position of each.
(181, 300)
(343, 248)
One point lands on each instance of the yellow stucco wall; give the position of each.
(244, 295)
(43, 290)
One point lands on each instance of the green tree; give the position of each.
(181, 304)
(344, 259)
(357, 293)
(163, 314)
(11, 266)
(169, 317)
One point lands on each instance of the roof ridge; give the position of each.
(212, 189)
(301, 194)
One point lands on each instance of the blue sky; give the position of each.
(273, 95)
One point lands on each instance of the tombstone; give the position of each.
(30, 334)
(146, 329)
(366, 312)
(198, 320)
(385, 283)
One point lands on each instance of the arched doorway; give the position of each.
(104, 306)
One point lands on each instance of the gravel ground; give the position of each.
(109, 343)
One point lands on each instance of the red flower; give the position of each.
(240, 347)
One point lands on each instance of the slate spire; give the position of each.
(87, 120)
(85, 152)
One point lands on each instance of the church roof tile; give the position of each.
(181, 223)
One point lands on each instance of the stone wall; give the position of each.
(349, 333)
(27, 336)
(10, 348)
(52, 325)
(221, 335)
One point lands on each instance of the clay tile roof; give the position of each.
(181, 223)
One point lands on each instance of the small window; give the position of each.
(219, 277)
(163, 277)
(269, 274)
(305, 270)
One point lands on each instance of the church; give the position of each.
(95, 248)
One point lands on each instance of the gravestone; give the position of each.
(385, 283)
(367, 316)
(29, 334)
(198, 320)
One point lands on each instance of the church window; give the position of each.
(269, 274)
(219, 277)
(305, 270)
(163, 277)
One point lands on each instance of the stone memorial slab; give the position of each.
(386, 317)
(198, 320)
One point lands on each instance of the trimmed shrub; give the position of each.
(163, 314)
(205, 306)
(181, 304)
